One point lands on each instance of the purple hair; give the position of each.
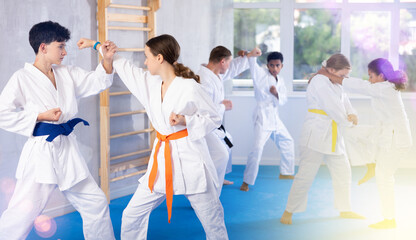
(383, 66)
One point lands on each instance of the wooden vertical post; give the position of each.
(104, 107)
(151, 18)
(154, 5)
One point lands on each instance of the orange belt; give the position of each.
(168, 166)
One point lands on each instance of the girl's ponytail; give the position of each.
(185, 72)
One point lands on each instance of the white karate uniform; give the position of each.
(213, 84)
(392, 131)
(316, 145)
(360, 144)
(267, 123)
(194, 174)
(43, 165)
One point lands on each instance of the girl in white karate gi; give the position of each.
(392, 128)
(221, 67)
(270, 92)
(329, 109)
(182, 114)
(47, 91)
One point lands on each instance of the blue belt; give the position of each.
(54, 130)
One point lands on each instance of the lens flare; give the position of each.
(7, 185)
(45, 226)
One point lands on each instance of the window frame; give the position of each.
(287, 8)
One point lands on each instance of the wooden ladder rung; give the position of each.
(130, 49)
(112, 5)
(146, 130)
(131, 154)
(127, 113)
(128, 175)
(139, 162)
(119, 93)
(129, 28)
(119, 17)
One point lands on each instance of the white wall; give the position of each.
(292, 115)
(198, 26)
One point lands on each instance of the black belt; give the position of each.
(226, 139)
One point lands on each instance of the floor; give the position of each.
(255, 214)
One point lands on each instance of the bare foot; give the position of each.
(226, 182)
(286, 176)
(385, 224)
(286, 218)
(244, 187)
(351, 214)
(371, 172)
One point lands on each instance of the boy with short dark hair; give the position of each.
(40, 102)
(270, 92)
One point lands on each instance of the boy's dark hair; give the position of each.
(275, 56)
(47, 32)
(218, 53)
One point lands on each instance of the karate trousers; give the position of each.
(360, 144)
(207, 206)
(282, 140)
(220, 155)
(309, 164)
(387, 163)
(30, 198)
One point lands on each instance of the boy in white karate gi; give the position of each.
(39, 102)
(221, 67)
(270, 92)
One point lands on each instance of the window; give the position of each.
(317, 36)
(407, 47)
(255, 27)
(309, 31)
(370, 39)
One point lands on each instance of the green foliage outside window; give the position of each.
(317, 36)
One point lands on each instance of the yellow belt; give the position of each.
(334, 127)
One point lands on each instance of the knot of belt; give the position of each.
(54, 130)
(168, 166)
(334, 126)
(226, 139)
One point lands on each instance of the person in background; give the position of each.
(270, 93)
(329, 111)
(392, 129)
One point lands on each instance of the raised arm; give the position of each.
(89, 83)
(108, 49)
(360, 86)
(240, 64)
(135, 78)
